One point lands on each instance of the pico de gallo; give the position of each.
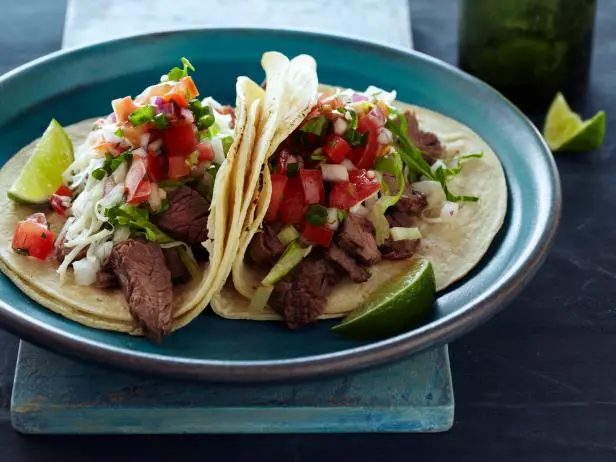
(146, 171)
(347, 189)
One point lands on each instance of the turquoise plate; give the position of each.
(76, 84)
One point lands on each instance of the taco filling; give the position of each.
(348, 188)
(136, 198)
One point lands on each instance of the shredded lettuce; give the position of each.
(292, 256)
(189, 262)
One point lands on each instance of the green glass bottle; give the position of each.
(528, 49)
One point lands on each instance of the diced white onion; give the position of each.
(144, 139)
(380, 94)
(371, 174)
(121, 234)
(209, 101)
(433, 191)
(332, 219)
(162, 193)
(68, 260)
(85, 271)
(399, 234)
(188, 115)
(287, 235)
(334, 172)
(109, 133)
(438, 164)
(140, 152)
(448, 213)
(385, 136)
(219, 153)
(359, 209)
(154, 200)
(119, 174)
(340, 126)
(348, 164)
(103, 251)
(157, 144)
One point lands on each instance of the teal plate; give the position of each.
(80, 83)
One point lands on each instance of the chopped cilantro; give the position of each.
(99, 173)
(161, 121)
(142, 115)
(138, 221)
(315, 125)
(176, 73)
(227, 141)
(119, 132)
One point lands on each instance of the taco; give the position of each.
(351, 186)
(133, 238)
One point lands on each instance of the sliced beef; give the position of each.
(265, 248)
(186, 217)
(356, 272)
(146, 282)
(412, 202)
(428, 142)
(106, 278)
(301, 296)
(397, 218)
(357, 238)
(178, 270)
(61, 252)
(399, 250)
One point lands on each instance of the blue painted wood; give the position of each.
(56, 395)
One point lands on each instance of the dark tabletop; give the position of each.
(537, 383)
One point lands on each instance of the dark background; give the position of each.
(537, 383)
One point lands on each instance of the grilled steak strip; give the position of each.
(146, 282)
(186, 217)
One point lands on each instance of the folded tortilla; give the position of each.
(108, 309)
(453, 248)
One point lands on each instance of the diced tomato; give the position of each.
(33, 237)
(179, 94)
(142, 194)
(180, 140)
(178, 168)
(60, 200)
(122, 107)
(336, 148)
(365, 184)
(318, 235)
(343, 195)
(293, 207)
(206, 151)
(367, 125)
(156, 167)
(312, 184)
(189, 84)
(279, 181)
(134, 176)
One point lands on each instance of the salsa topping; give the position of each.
(351, 183)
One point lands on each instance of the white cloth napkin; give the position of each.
(385, 21)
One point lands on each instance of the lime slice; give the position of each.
(399, 305)
(42, 173)
(564, 130)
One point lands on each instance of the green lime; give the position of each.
(399, 305)
(42, 174)
(564, 130)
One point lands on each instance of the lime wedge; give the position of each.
(399, 305)
(42, 173)
(564, 130)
